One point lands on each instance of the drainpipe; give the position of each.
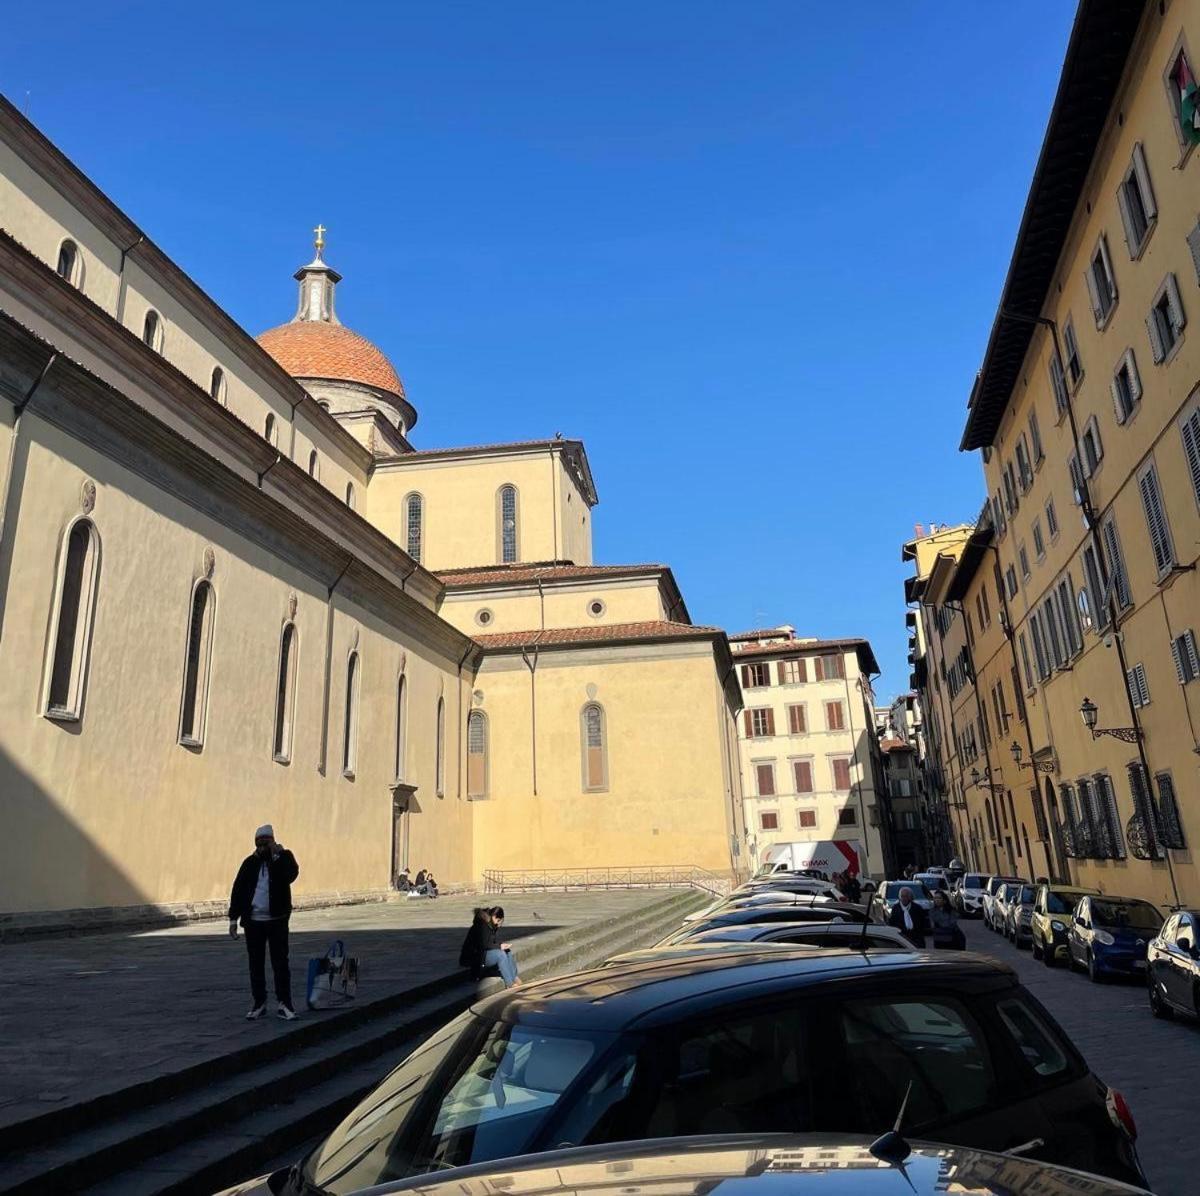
(9, 496)
(1089, 517)
(862, 813)
(324, 761)
(532, 667)
(278, 458)
(121, 288)
(542, 604)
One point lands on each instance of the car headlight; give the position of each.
(1058, 926)
(1102, 936)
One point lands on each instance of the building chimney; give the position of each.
(919, 530)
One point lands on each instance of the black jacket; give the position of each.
(281, 871)
(920, 921)
(481, 938)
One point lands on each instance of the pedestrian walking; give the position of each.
(947, 934)
(262, 901)
(852, 889)
(909, 918)
(483, 948)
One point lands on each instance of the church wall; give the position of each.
(460, 506)
(575, 533)
(112, 809)
(666, 801)
(637, 600)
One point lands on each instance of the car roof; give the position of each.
(756, 931)
(1081, 889)
(659, 992)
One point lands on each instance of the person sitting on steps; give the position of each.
(483, 948)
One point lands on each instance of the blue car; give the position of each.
(1109, 935)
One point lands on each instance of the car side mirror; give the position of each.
(1079, 921)
(1186, 945)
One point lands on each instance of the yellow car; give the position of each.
(1052, 910)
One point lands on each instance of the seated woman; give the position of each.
(483, 948)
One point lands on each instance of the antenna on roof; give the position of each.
(891, 1146)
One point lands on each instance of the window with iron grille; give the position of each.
(415, 514)
(1170, 825)
(508, 524)
(1110, 816)
(1145, 812)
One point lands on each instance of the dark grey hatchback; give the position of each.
(783, 1041)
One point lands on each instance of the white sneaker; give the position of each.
(257, 1012)
(285, 1014)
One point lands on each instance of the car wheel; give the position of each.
(1158, 1006)
(1034, 947)
(1048, 953)
(1092, 970)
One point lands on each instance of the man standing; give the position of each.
(909, 918)
(262, 901)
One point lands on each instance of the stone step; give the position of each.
(225, 1125)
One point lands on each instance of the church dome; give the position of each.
(316, 349)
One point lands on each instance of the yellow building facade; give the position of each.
(1087, 412)
(233, 592)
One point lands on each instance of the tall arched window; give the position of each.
(351, 499)
(68, 266)
(595, 748)
(216, 385)
(414, 525)
(506, 523)
(314, 465)
(285, 693)
(152, 330)
(74, 612)
(196, 666)
(440, 746)
(269, 430)
(401, 726)
(477, 754)
(350, 727)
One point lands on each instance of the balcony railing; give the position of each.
(666, 876)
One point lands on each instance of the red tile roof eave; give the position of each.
(811, 648)
(492, 575)
(603, 634)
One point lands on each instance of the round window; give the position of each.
(483, 617)
(595, 608)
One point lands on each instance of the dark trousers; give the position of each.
(260, 935)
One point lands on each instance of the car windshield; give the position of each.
(973, 882)
(1137, 915)
(891, 890)
(1028, 895)
(932, 880)
(488, 1088)
(1061, 901)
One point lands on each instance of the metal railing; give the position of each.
(666, 876)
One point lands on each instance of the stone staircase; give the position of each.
(208, 1126)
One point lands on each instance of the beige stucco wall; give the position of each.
(522, 608)
(112, 810)
(667, 800)
(461, 526)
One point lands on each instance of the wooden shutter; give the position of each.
(749, 717)
(746, 682)
(818, 669)
(1175, 302)
(1156, 341)
(770, 721)
(1189, 430)
(1156, 521)
(802, 669)
(1135, 379)
(1132, 240)
(1108, 270)
(1089, 276)
(1193, 240)
(781, 668)
(1058, 384)
(1192, 656)
(1142, 174)
(1177, 657)
(1118, 402)
(796, 722)
(802, 771)
(841, 774)
(766, 780)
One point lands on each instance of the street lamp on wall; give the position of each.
(984, 781)
(1091, 714)
(1036, 765)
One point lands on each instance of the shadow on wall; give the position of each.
(41, 842)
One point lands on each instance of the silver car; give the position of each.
(1018, 914)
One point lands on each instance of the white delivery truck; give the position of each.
(825, 856)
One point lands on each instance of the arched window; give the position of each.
(351, 500)
(74, 612)
(440, 747)
(595, 748)
(414, 525)
(314, 465)
(68, 266)
(196, 666)
(216, 385)
(269, 430)
(152, 330)
(401, 726)
(285, 693)
(350, 728)
(477, 754)
(506, 523)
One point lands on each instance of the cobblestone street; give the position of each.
(1153, 1063)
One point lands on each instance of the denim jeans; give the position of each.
(505, 962)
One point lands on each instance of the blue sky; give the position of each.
(748, 252)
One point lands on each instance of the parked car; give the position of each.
(753, 1165)
(745, 1042)
(967, 894)
(888, 894)
(747, 900)
(799, 884)
(824, 911)
(859, 936)
(1004, 895)
(933, 881)
(1173, 966)
(1053, 909)
(989, 897)
(1109, 935)
(1018, 914)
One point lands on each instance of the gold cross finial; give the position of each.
(320, 241)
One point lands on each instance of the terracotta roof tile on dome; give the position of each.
(597, 634)
(315, 349)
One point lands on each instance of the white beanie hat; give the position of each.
(266, 831)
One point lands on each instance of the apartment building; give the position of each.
(1086, 410)
(811, 765)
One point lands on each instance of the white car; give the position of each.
(993, 886)
(967, 894)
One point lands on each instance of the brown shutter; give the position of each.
(770, 722)
(818, 671)
(746, 676)
(803, 773)
(780, 669)
(802, 665)
(749, 725)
